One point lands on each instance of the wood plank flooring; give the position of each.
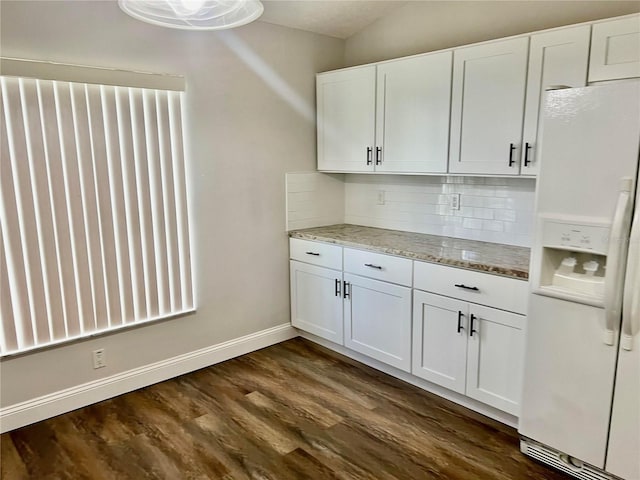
(291, 411)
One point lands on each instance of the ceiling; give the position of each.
(336, 18)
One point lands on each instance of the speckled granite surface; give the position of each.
(494, 258)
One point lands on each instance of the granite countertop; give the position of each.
(505, 260)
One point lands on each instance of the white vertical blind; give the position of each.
(94, 230)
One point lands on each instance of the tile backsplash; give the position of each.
(495, 209)
(314, 199)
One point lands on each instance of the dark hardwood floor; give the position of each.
(290, 411)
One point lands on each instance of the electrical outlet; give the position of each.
(380, 197)
(454, 201)
(99, 358)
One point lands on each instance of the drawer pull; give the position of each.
(371, 265)
(460, 315)
(462, 285)
(313, 253)
(471, 329)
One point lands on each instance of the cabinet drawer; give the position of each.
(485, 289)
(316, 253)
(379, 266)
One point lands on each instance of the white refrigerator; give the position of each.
(581, 398)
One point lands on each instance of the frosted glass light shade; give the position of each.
(194, 14)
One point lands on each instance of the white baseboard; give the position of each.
(455, 397)
(47, 406)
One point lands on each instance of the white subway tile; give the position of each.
(472, 223)
(484, 213)
(493, 225)
(505, 215)
(494, 202)
(471, 201)
(492, 209)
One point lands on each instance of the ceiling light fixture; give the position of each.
(194, 14)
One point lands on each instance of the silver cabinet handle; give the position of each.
(371, 265)
(313, 253)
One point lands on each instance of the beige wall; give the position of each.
(424, 26)
(247, 124)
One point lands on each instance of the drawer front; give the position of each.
(316, 253)
(482, 288)
(379, 266)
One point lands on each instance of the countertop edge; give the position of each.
(467, 265)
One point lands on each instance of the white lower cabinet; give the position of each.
(440, 340)
(495, 357)
(365, 301)
(316, 300)
(468, 348)
(377, 320)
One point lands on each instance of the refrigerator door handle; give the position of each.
(631, 301)
(618, 238)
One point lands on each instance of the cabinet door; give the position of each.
(615, 49)
(495, 358)
(487, 107)
(412, 126)
(555, 58)
(316, 300)
(346, 103)
(377, 320)
(440, 340)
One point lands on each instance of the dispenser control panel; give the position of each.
(571, 236)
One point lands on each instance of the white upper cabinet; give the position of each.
(393, 117)
(487, 107)
(412, 118)
(615, 49)
(473, 110)
(559, 57)
(346, 105)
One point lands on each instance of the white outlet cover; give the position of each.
(454, 201)
(99, 358)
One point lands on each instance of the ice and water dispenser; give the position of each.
(573, 260)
